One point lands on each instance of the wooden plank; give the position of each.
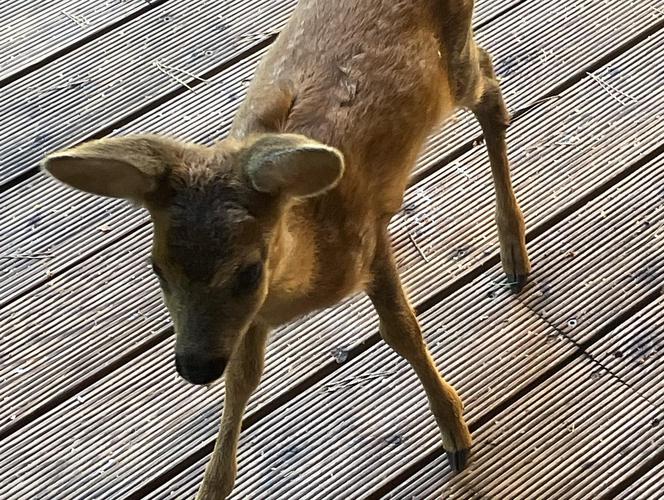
(634, 355)
(306, 346)
(566, 439)
(650, 485)
(37, 359)
(349, 434)
(635, 352)
(32, 35)
(66, 239)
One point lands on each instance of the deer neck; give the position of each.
(293, 267)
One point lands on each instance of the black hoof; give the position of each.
(458, 459)
(517, 281)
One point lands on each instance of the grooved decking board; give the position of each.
(583, 32)
(162, 435)
(572, 438)
(635, 351)
(346, 443)
(584, 430)
(635, 354)
(30, 33)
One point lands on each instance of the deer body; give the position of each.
(289, 213)
(367, 78)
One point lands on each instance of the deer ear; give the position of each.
(294, 165)
(120, 167)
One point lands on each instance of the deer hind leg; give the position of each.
(475, 86)
(243, 374)
(401, 331)
(483, 97)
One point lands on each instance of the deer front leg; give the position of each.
(243, 374)
(400, 329)
(494, 118)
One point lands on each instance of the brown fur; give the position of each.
(289, 214)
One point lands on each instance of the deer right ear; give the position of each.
(293, 165)
(120, 167)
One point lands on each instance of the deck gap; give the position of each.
(72, 265)
(494, 17)
(631, 478)
(581, 346)
(84, 383)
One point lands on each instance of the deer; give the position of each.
(289, 212)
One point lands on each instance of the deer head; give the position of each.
(215, 211)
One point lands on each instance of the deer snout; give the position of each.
(199, 369)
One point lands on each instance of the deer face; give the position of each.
(209, 252)
(214, 211)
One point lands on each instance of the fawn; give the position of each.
(289, 213)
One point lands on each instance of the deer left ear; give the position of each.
(120, 167)
(294, 165)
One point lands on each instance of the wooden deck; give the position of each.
(563, 384)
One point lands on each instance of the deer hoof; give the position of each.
(458, 459)
(517, 281)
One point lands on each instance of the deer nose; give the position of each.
(199, 369)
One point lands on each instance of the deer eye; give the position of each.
(249, 277)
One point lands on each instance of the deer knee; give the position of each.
(405, 339)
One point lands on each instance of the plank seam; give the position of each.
(84, 383)
(581, 346)
(646, 467)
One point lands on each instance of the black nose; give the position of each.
(199, 370)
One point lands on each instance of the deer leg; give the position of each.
(494, 118)
(401, 331)
(243, 374)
